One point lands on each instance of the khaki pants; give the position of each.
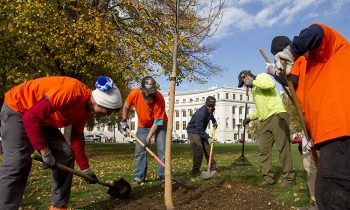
(311, 171)
(275, 130)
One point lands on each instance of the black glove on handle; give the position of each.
(48, 160)
(124, 125)
(92, 175)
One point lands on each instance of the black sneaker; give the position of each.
(196, 174)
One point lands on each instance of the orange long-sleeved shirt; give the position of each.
(56, 102)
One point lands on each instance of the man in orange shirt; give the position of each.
(297, 76)
(152, 122)
(326, 99)
(30, 118)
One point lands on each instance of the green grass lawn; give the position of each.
(110, 161)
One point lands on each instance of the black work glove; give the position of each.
(124, 125)
(215, 125)
(48, 160)
(92, 175)
(246, 121)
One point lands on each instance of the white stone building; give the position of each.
(229, 113)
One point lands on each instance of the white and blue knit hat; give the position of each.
(107, 93)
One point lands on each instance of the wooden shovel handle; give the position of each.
(70, 170)
(146, 148)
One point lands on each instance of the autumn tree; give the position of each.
(125, 40)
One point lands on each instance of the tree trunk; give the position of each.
(168, 195)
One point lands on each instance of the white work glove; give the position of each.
(272, 69)
(287, 57)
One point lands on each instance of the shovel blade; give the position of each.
(207, 174)
(119, 189)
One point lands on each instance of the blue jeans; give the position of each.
(141, 156)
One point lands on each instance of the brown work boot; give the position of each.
(266, 183)
(285, 184)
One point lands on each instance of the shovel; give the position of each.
(175, 179)
(118, 189)
(208, 174)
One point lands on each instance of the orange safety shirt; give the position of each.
(326, 95)
(68, 98)
(148, 113)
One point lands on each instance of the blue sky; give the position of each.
(248, 25)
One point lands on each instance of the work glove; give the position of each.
(124, 125)
(210, 139)
(287, 57)
(246, 121)
(48, 160)
(92, 175)
(215, 125)
(272, 69)
(248, 83)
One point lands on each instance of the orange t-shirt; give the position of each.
(148, 113)
(326, 95)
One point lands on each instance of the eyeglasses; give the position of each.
(211, 106)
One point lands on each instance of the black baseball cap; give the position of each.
(241, 76)
(210, 101)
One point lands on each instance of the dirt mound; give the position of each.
(222, 196)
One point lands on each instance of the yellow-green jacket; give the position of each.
(266, 98)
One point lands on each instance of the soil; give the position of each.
(219, 196)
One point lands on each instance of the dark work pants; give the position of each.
(200, 147)
(17, 162)
(332, 190)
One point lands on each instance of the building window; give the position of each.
(234, 110)
(233, 123)
(177, 125)
(132, 126)
(226, 95)
(240, 110)
(177, 101)
(234, 96)
(184, 113)
(110, 128)
(184, 101)
(190, 112)
(191, 100)
(197, 99)
(240, 121)
(184, 125)
(235, 136)
(177, 113)
(227, 122)
(241, 97)
(218, 95)
(183, 136)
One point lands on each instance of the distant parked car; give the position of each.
(132, 141)
(228, 141)
(186, 141)
(93, 138)
(178, 141)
